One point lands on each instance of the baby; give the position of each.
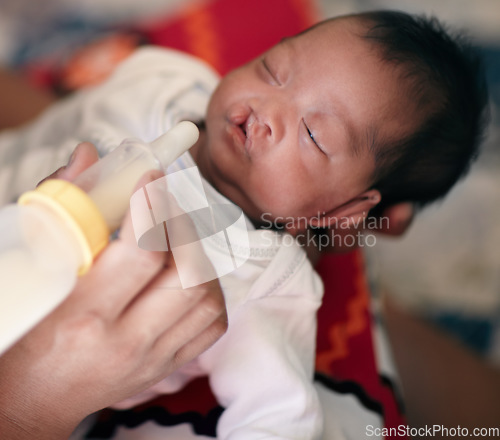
(343, 116)
(342, 120)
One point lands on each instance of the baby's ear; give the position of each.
(350, 213)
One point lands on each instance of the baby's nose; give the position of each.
(255, 128)
(270, 113)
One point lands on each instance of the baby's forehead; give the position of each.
(355, 23)
(367, 94)
(342, 33)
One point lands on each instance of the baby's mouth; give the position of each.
(246, 125)
(240, 119)
(244, 135)
(243, 128)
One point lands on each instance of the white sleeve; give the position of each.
(29, 154)
(134, 102)
(261, 370)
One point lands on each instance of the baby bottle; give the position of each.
(54, 232)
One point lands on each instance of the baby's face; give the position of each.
(289, 133)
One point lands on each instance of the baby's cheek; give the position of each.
(279, 198)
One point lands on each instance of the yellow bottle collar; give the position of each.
(78, 211)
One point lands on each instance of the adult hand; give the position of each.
(120, 331)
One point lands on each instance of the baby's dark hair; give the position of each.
(447, 83)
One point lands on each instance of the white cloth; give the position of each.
(261, 370)
(148, 93)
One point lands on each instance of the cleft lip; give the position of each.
(247, 125)
(240, 120)
(243, 128)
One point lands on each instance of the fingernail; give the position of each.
(71, 158)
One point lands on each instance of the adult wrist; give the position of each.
(24, 425)
(23, 418)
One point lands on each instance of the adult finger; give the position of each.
(200, 343)
(170, 290)
(163, 304)
(121, 271)
(84, 155)
(198, 328)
